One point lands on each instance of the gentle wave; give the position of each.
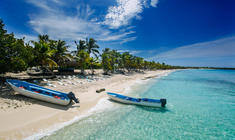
(103, 105)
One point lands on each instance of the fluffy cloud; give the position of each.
(53, 19)
(216, 48)
(133, 52)
(60, 25)
(154, 3)
(64, 27)
(215, 53)
(123, 12)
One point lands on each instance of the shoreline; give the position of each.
(40, 119)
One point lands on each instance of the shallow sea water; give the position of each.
(200, 105)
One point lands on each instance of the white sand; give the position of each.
(22, 118)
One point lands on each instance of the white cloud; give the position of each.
(218, 48)
(123, 12)
(217, 53)
(154, 3)
(60, 25)
(128, 39)
(44, 4)
(53, 19)
(133, 52)
(64, 27)
(84, 11)
(118, 36)
(58, 2)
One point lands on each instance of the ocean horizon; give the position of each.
(200, 105)
(61, 63)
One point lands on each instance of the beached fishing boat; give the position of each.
(41, 93)
(137, 101)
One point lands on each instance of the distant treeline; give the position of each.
(17, 55)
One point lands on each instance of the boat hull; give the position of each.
(142, 103)
(41, 97)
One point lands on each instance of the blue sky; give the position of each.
(177, 32)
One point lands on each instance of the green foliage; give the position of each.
(14, 55)
(50, 53)
(84, 50)
(83, 60)
(93, 63)
(18, 64)
(61, 55)
(81, 45)
(92, 47)
(43, 52)
(126, 59)
(106, 60)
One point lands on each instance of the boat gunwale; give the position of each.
(64, 95)
(137, 100)
(34, 85)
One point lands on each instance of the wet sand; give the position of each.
(21, 117)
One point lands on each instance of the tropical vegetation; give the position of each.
(17, 55)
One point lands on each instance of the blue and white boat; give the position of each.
(137, 101)
(41, 93)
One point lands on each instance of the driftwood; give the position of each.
(149, 77)
(100, 90)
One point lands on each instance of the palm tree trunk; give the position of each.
(92, 70)
(82, 71)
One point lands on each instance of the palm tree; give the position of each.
(43, 52)
(106, 60)
(81, 45)
(126, 58)
(139, 63)
(114, 55)
(61, 54)
(44, 38)
(83, 60)
(16, 55)
(92, 47)
(93, 63)
(146, 63)
(82, 55)
(118, 62)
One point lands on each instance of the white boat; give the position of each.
(41, 93)
(137, 101)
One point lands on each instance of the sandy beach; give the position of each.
(21, 117)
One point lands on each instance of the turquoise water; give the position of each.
(201, 105)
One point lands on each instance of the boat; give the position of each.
(41, 93)
(40, 71)
(137, 101)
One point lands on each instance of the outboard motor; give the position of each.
(72, 97)
(163, 102)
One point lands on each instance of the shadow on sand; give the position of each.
(7, 93)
